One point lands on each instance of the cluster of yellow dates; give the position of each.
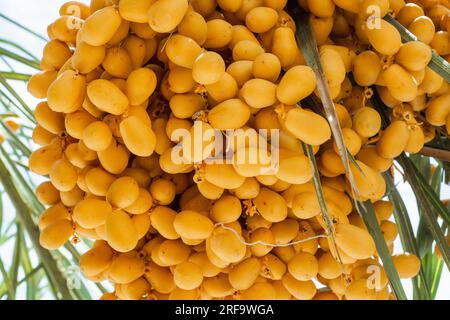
(120, 77)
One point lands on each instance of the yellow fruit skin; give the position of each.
(354, 241)
(121, 233)
(289, 90)
(407, 265)
(370, 157)
(414, 56)
(60, 99)
(393, 140)
(308, 126)
(192, 225)
(126, 268)
(107, 97)
(438, 110)
(400, 83)
(243, 275)
(230, 114)
(139, 138)
(91, 213)
(135, 11)
(284, 46)
(56, 235)
(386, 39)
(39, 83)
(302, 290)
(97, 259)
(141, 84)
(86, 57)
(174, 11)
(101, 26)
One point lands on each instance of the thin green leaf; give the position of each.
(24, 109)
(428, 203)
(21, 26)
(14, 270)
(6, 280)
(15, 76)
(424, 236)
(409, 242)
(14, 56)
(437, 63)
(373, 227)
(22, 209)
(30, 278)
(19, 47)
(321, 197)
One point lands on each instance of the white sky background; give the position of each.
(38, 14)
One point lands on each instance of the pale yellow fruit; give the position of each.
(48, 119)
(438, 109)
(296, 84)
(407, 265)
(354, 241)
(358, 290)
(241, 71)
(370, 156)
(47, 194)
(164, 16)
(393, 140)
(139, 138)
(303, 266)
(261, 19)
(208, 68)
(226, 210)
(173, 252)
(366, 68)
(193, 26)
(63, 175)
(226, 245)
(385, 39)
(184, 106)
(266, 66)
(97, 136)
(135, 11)
(87, 58)
(98, 181)
(366, 122)
(284, 46)
(53, 214)
(400, 83)
(141, 84)
(230, 114)
(247, 50)
(126, 268)
(187, 275)
(302, 290)
(107, 97)
(97, 259)
(39, 83)
(308, 126)
(182, 51)
(121, 232)
(162, 219)
(101, 26)
(219, 34)
(56, 235)
(192, 225)
(414, 56)
(91, 212)
(259, 93)
(61, 98)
